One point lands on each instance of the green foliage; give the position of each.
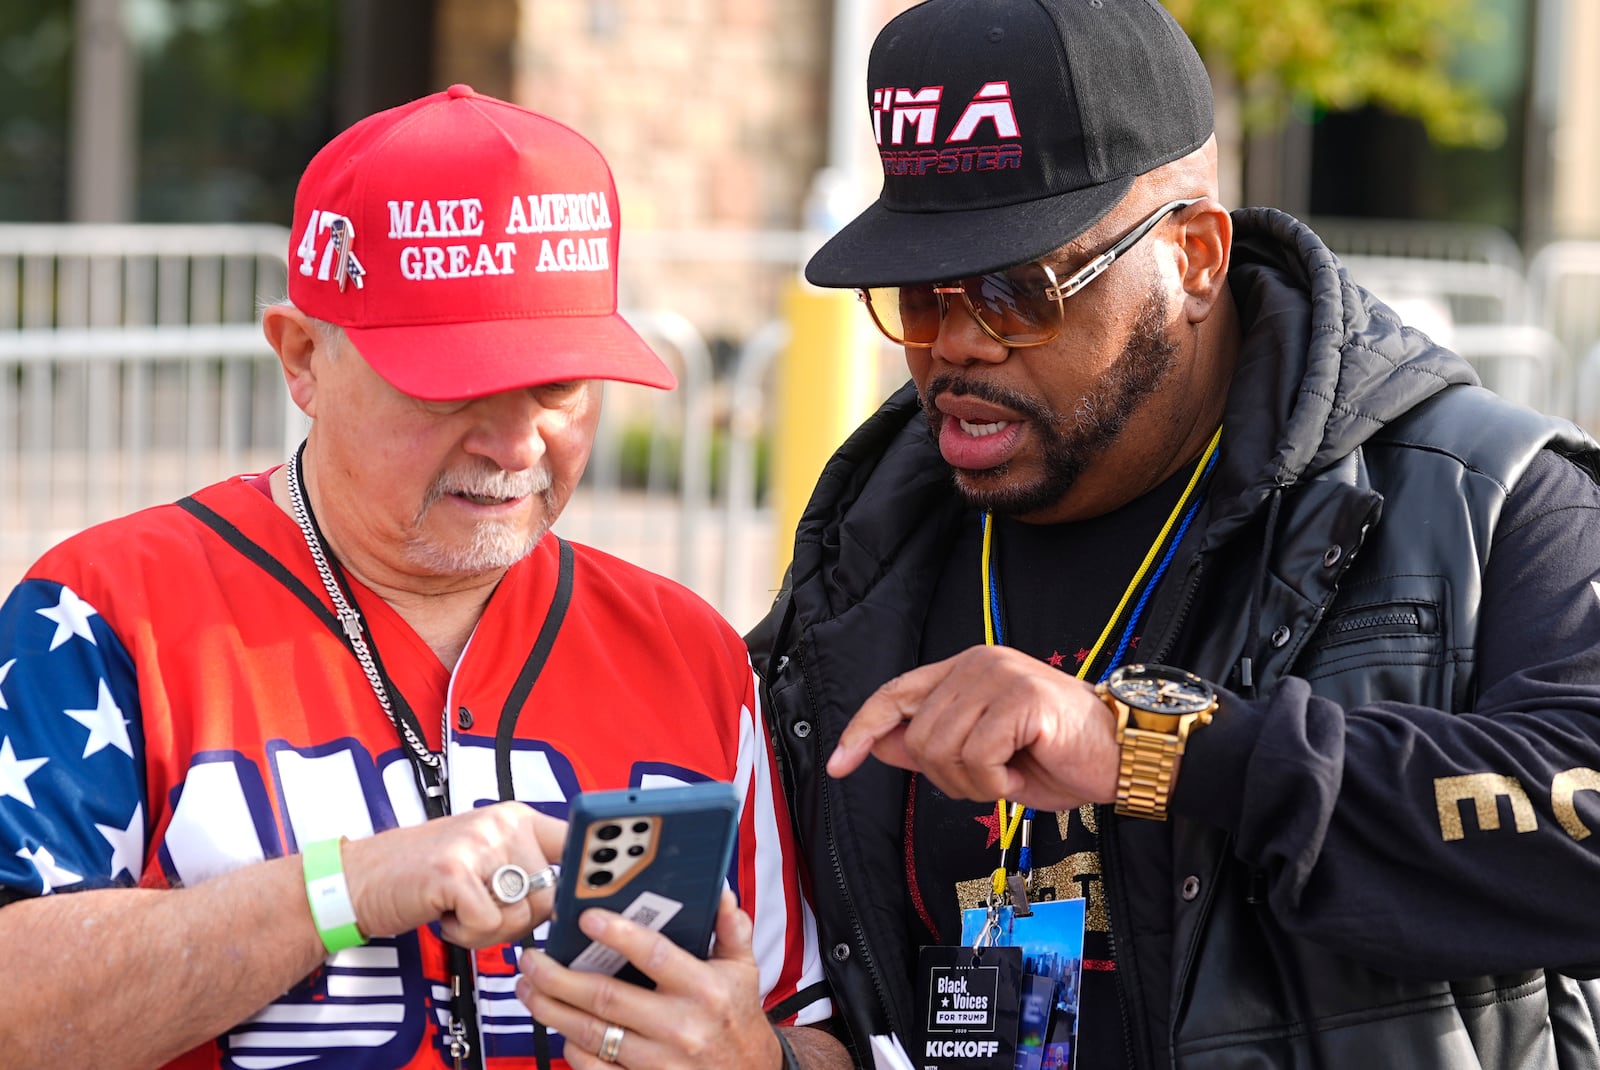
(1342, 54)
(235, 96)
(267, 57)
(35, 75)
(634, 461)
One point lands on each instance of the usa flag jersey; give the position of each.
(169, 712)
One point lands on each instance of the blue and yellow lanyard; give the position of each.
(1017, 816)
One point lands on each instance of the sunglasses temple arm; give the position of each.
(1094, 268)
(1085, 275)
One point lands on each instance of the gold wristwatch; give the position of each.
(1156, 708)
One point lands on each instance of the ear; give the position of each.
(295, 341)
(1204, 247)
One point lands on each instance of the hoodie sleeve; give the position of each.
(1430, 843)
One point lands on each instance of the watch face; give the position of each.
(1160, 689)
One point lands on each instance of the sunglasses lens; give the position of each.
(907, 314)
(1015, 304)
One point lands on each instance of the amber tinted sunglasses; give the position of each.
(1018, 307)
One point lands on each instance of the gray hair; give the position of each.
(329, 334)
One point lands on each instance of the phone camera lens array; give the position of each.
(609, 843)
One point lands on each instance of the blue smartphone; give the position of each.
(657, 856)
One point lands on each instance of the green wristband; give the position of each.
(329, 896)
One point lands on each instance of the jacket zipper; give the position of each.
(855, 919)
(1122, 996)
(1108, 848)
(1413, 618)
(1105, 819)
(1176, 627)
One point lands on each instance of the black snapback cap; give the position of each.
(1009, 127)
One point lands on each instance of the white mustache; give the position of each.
(496, 483)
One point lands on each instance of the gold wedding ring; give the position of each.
(611, 1043)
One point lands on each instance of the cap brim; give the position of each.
(448, 361)
(886, 247)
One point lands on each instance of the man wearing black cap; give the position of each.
(1215, 598)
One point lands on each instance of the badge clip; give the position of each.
(1017, 887)
(989, 934)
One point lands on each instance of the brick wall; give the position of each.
(712, 113)
(473, 43)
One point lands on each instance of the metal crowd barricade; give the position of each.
(95, 422)
(749, 567)
(133, 370)
(1564, 289)
(1520, 361)
(1532, 329)
(1472, 291)
(1419, 240)
(646, 494)
(1587, 391)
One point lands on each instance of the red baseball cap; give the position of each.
(467, 246)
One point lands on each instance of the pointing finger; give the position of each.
(885, 712)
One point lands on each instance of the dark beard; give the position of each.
(1069, 443)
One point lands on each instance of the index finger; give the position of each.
(550, 833)
(885, 710)
(651, 953)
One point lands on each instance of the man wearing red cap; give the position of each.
(281, 764)
(1185, 592)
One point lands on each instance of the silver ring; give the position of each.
(540, 879)
(509, 884)
(611, 1043)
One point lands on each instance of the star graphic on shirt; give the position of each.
(4, 669)
(14, 773)
(1056, 658)
(990, 821)
(107, 727)
(1133, 644)
(71, 615)
(1593, 585)
(52, 875)
(1082, 653)
(127, 845)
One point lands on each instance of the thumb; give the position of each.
(734, 931)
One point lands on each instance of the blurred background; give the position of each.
(1447, 149)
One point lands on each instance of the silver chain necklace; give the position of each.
(350, 620)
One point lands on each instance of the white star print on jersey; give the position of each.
(72, 720)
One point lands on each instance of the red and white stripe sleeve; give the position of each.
(771, 888)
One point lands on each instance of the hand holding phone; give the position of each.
(656, 856)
